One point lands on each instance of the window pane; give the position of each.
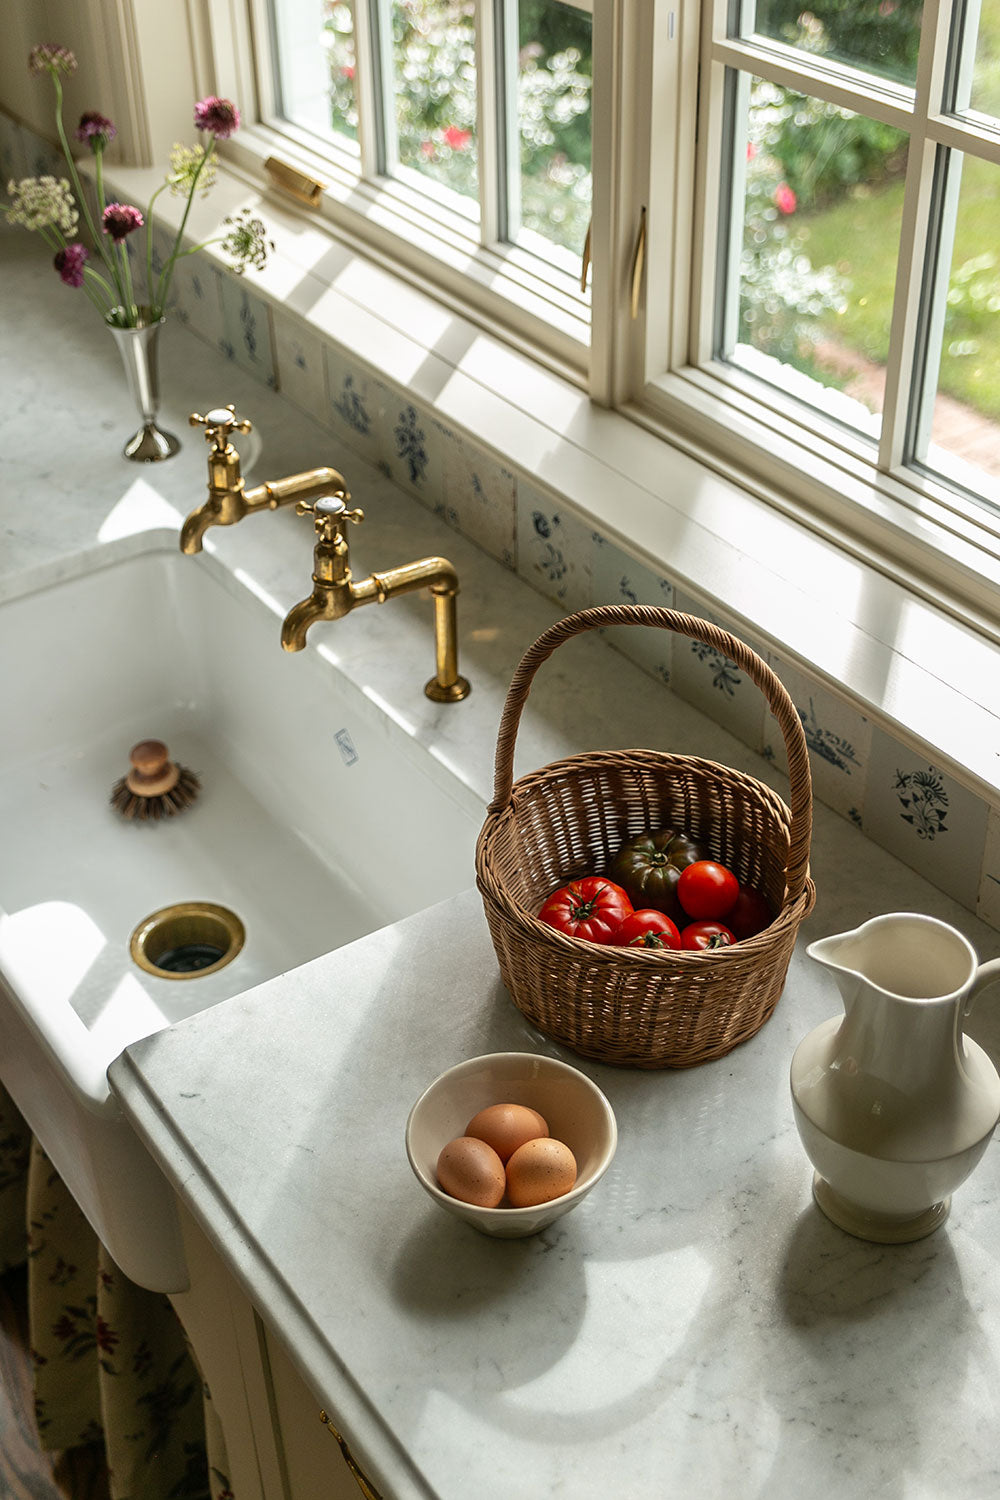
(810, 307)
(314, 41)
(434, 84)
(986, 68)
(554, 81)
(878, 36)
(965, 432)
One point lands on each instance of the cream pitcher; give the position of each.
(895, 1105)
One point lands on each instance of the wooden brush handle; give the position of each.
(153, 773)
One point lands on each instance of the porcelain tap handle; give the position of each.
(986, 974)
(219, 424)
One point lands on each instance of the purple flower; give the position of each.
(70, 262)
(95, 130)
(218, 116)
(119, 220)
(49, 57)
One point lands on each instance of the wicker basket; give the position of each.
(635, 1006)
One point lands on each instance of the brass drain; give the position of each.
(187, 941)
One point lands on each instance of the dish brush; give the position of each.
(155, 787)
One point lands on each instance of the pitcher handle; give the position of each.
(986, 974)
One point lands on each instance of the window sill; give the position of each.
(901, 659)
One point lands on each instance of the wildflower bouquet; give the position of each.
(53, 206)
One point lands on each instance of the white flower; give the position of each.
(43, 203)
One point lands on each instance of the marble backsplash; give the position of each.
(925, 814)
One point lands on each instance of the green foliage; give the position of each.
(880, 36)
(433, 50)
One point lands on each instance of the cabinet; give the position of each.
(280, 1444)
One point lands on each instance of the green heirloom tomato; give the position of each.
(649, 866)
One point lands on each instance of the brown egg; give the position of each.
(539, 1171)
(507, 1126)
(471, 1171)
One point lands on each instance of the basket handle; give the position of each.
(779, 702)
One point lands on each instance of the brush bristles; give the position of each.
(131, 805)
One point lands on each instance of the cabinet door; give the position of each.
(315, 1466)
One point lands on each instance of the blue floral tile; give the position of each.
(198, 297)
(413, 446)
(926, 818)
(988, 905)
(480, 491)
(837, 734)
(554, 547)
(353, 399)
(707, 678)
(300, 369)
(246, 329)
(617, 578)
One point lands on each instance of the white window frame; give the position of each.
(528, 301)
(908, 523)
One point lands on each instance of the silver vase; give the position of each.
(138, 351)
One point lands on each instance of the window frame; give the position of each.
(406, 225)
(907, 521)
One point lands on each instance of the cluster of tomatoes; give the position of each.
(663, 891)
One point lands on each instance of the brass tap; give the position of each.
(228, 498)
(335, 593)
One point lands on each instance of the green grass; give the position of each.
(860, 237)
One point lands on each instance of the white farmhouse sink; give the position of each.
(319, 820)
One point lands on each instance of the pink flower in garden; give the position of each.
(457, 139)
(218, 116)
(751, 150)
(785, 198)
(95, 130)
(427, 147)
(49, 57)
(119, 220)
(70, 262)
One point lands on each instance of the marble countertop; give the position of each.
(695, 1326)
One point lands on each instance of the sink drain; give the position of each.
(187, 941)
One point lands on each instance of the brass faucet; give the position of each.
(323, 494)
(335, 593)
(228, 498)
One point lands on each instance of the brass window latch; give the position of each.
(306, 189)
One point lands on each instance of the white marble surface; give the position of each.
(695, 1327)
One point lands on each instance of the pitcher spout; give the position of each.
(903, 954)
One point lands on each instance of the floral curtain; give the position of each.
(111, 1360)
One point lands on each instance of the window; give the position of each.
(846, 260)
(469, 121)
(793, 213)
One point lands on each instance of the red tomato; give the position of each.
(647, 929)
(699, 935)
(750, 915)
(592, 908)
(707, 889)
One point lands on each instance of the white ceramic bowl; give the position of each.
(577, 1113)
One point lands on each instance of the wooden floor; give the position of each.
(26, 1472)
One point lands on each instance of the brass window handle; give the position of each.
(585, 263)
(364, 1483)
(638, 262)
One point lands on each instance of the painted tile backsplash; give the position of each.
(921, 812)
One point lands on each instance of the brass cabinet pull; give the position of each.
(638, 260)
(363, 1482)
(585, 265)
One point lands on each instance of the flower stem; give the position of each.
(78, 186)
(163, 286)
